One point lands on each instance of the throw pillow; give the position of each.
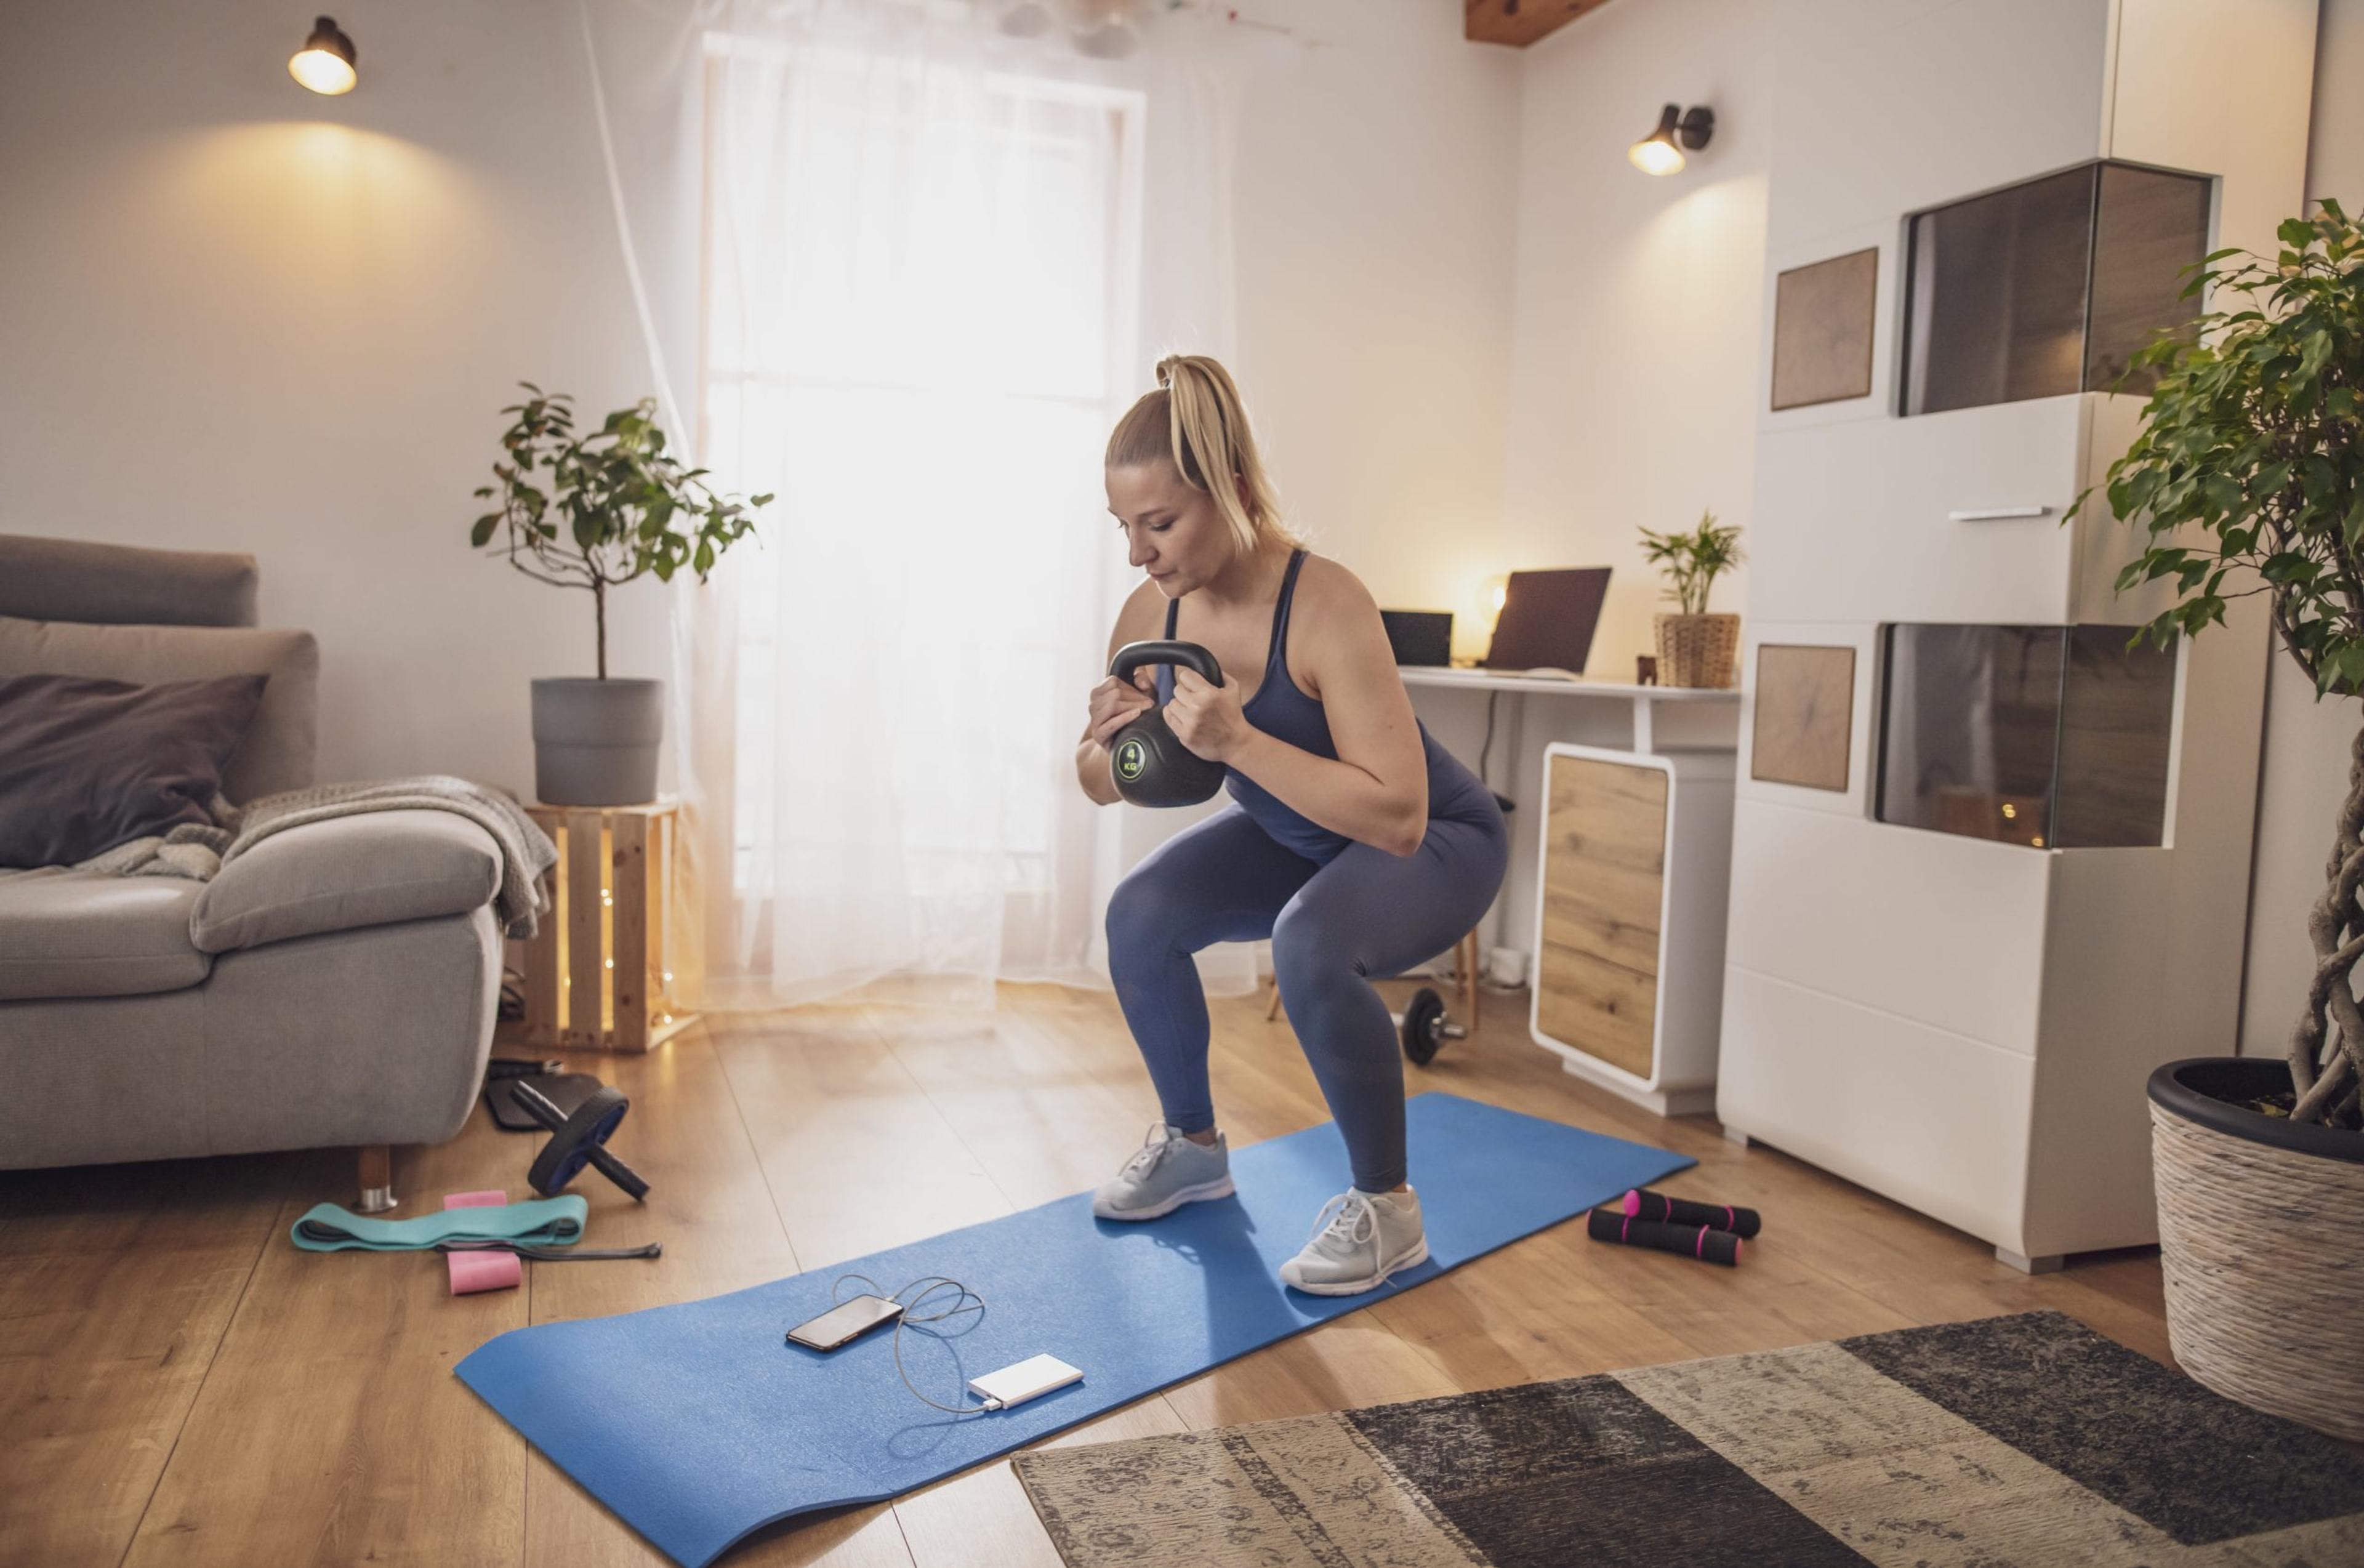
(86, 764)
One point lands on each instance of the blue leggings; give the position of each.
(1332, 927)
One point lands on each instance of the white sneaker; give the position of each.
(1359, 1239)
(1167, 1171)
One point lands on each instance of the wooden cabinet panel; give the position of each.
(1604, 873)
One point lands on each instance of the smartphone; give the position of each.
(845, 1321)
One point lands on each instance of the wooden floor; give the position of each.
(179, 1385)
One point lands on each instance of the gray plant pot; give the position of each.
(595, 742)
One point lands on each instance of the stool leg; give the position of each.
(377, 1180)
(1272, 1009)
(1468, 955)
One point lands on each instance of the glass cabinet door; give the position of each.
(2149, 227)
(1997, 296)
(2054, 737)
(2047, 287)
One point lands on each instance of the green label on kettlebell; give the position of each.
(1131, 759)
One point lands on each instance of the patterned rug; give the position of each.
(2026, 1440)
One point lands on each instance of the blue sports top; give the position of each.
(1284, 712)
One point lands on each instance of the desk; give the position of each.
(1622, 797)
(1693, 718)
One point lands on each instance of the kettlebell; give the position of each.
(1147, 762)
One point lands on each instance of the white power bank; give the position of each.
(1026, 1380)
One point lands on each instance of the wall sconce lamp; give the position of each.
(1661, 151)
(325, 64)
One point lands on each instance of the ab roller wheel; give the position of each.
(578, 1140)
(1424, 1025)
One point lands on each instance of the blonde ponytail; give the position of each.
(1196, 420)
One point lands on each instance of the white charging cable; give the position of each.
(962, 1300)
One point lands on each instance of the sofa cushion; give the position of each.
(371, 869)
(87, 764)
(59, 579)
(277, 751)
(79, 934)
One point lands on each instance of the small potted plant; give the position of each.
(1696, 649)
(595, 512)
(2248, 478)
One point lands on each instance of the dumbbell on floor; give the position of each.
(1424, 1025)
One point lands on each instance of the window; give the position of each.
(920, 284)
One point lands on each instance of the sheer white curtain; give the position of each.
(937, 263)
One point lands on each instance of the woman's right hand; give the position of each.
(1117, 702)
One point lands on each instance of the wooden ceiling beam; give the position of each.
(1519, 22)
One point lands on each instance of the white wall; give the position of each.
(1377, 189)
(2307, 742)
(1631, 374)
(1637, 301)
(241, 317)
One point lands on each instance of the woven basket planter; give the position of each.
(2261, 1240)
(1698, 650)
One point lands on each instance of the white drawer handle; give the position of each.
(1998, 514)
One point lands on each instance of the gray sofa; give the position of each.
(335, 985)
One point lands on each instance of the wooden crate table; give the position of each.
(603, 938)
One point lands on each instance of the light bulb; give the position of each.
(1653, 155)
(1661, 151)
(325, 64)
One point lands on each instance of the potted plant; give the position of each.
(2248, 478)
(595, 512)
(1696, 649)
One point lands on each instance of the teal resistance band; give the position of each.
(546, 1227)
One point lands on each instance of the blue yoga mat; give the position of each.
(698, 1423)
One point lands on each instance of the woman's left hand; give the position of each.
(1206, 718)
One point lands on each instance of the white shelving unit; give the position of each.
(1965, 1024)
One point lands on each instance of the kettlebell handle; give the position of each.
(1188, 655)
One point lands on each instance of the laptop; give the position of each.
(1548, 619)
(1547, 624)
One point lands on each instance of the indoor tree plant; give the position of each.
(1695, 649)
(595, 512)
(2248, 479)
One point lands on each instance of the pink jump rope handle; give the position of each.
(474, 1272)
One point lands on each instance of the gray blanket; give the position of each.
(198, 851)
